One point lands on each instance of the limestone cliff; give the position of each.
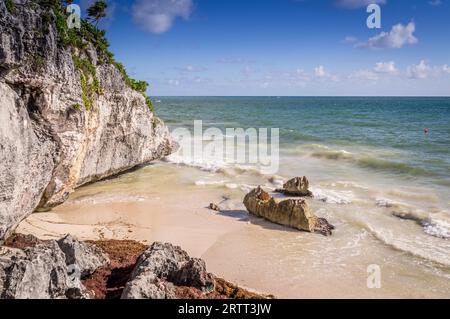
(68, 116)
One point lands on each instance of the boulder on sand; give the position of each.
(294, 213)
(298, 186)
(161, 268)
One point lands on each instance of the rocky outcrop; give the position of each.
(298, 186)
(161, 268)
(85, 257)
(44, 271)
(50, 141)
(33, 268)
(294, 213)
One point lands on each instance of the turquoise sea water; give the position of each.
(384, 135)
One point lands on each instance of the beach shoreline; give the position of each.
(246, 250)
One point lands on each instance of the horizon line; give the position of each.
(334, 96)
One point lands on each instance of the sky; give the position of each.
(282, 47)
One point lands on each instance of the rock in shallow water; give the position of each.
(298, 186)
(294, 213)
(163, 266)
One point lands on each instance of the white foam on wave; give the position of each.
(209, 166)
(350, 184)
(384, 202)
(106, 199)
(333, 196)
(416, 245)
(209, 183)
(276, 181)
(437, 228)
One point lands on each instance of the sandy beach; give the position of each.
(162, 202)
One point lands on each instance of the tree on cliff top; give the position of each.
(97, 11)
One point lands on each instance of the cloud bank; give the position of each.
(158, 16)
(399, 36)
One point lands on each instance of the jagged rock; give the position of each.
(88, 258)
(298, 186)
(49, 142)
(146, 285)
(214, 207)
(323, 227)
(194, 274)
(47, 269)
(39, 272)
(161, 267)
(294, 213)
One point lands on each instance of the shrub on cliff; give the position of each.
(9, 5)
(79, 38)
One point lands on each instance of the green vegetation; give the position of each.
(38, 62)
(90, 86)
(77, 106)
(80, 39)
(140, 86)
(10, 6)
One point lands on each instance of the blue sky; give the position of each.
(283, 47)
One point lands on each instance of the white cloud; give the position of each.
(386, 67)
(398, 37)
(230, 61)
(349, 40)
(247, 71)
(201, 80)
(446, 68)
(173, 82)
(191, 68)
(419, 71)
(158, 16)
(364, 75)
(355, 4)
(300, 75)
(423, 70)
(321, 73)
(435, 2)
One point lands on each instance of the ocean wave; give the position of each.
(209, 183)
(108, 198)
(369, 160)
(396, 167)
(431, 223)
(333, 196)
(437, 228)
(333, 154)
(414, 245)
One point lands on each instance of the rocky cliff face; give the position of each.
(50, 141)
